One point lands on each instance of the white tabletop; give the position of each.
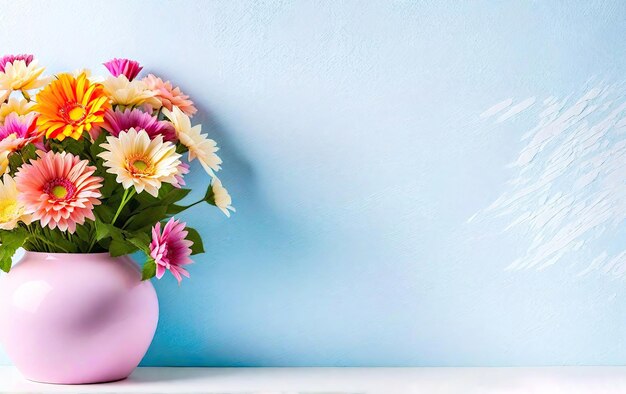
(554, 380)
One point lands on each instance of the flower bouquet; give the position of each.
(92, 169)
(96, 164)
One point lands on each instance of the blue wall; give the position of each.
(355, 152)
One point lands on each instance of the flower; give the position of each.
(7, 59)
(4, 161)
(92, 78)
(141, 162)
(170, 96)
(129, 93)
(68, 106)
(199, 145)
(59, 190)
(221, 197)
(170, 250)
(183, 169)
(18, 106)
(129, 68)
(20, 73)
(11, 209)
(18, 131)
(118, 121)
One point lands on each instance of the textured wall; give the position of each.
(416, 183)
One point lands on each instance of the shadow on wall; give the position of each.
(221, 277)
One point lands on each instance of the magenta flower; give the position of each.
(4, 60)
(129, 68)
(18, 131)
(170, 250)
(118, 121)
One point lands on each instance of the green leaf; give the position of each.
(209, 196)
(141, 241)
(121, 248)
(76, 147)
(82, 231)
(174, 196)
(109, 185)
(15, 161)
(95, 149)
(147, 217)
(194, 236)
(173, 209)
(149, 269)
(29, 152)
(102, 230)
(105, 212)
(11, 241)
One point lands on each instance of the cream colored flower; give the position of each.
(199, 145)
(221, 197)
(19, 76)
(18, 106)
(129, 93)
(4, 161)
(11, 209)
(92, 78)
(141, 162)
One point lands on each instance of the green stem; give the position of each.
(93, 240)
(49, 243)
(185, 207)
(128, 194)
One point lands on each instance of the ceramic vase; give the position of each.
(76, 318)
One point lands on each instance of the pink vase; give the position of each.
(76, 318)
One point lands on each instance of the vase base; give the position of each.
(75, 382)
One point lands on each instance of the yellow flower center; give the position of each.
(140, 165)
(59, 191)
(73, 113)
(8, 210)
(77, 113)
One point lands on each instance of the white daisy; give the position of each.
(222, 199)
(141, 162)
(19, 76)
(200, 147)
(129, 93)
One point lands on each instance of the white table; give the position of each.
(555, 380)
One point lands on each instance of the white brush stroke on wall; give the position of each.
(568, 190)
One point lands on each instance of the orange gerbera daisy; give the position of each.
(70, 105)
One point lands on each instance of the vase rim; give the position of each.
(65, 254)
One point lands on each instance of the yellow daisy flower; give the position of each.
(11, 209)
(14, 105)
(68, 106)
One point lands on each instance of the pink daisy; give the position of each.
(183, 169)
(59, 190)
(170, 250)
(18, 131)
(4, 60)
(118, 121)
(127, 67)
(170, 96)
